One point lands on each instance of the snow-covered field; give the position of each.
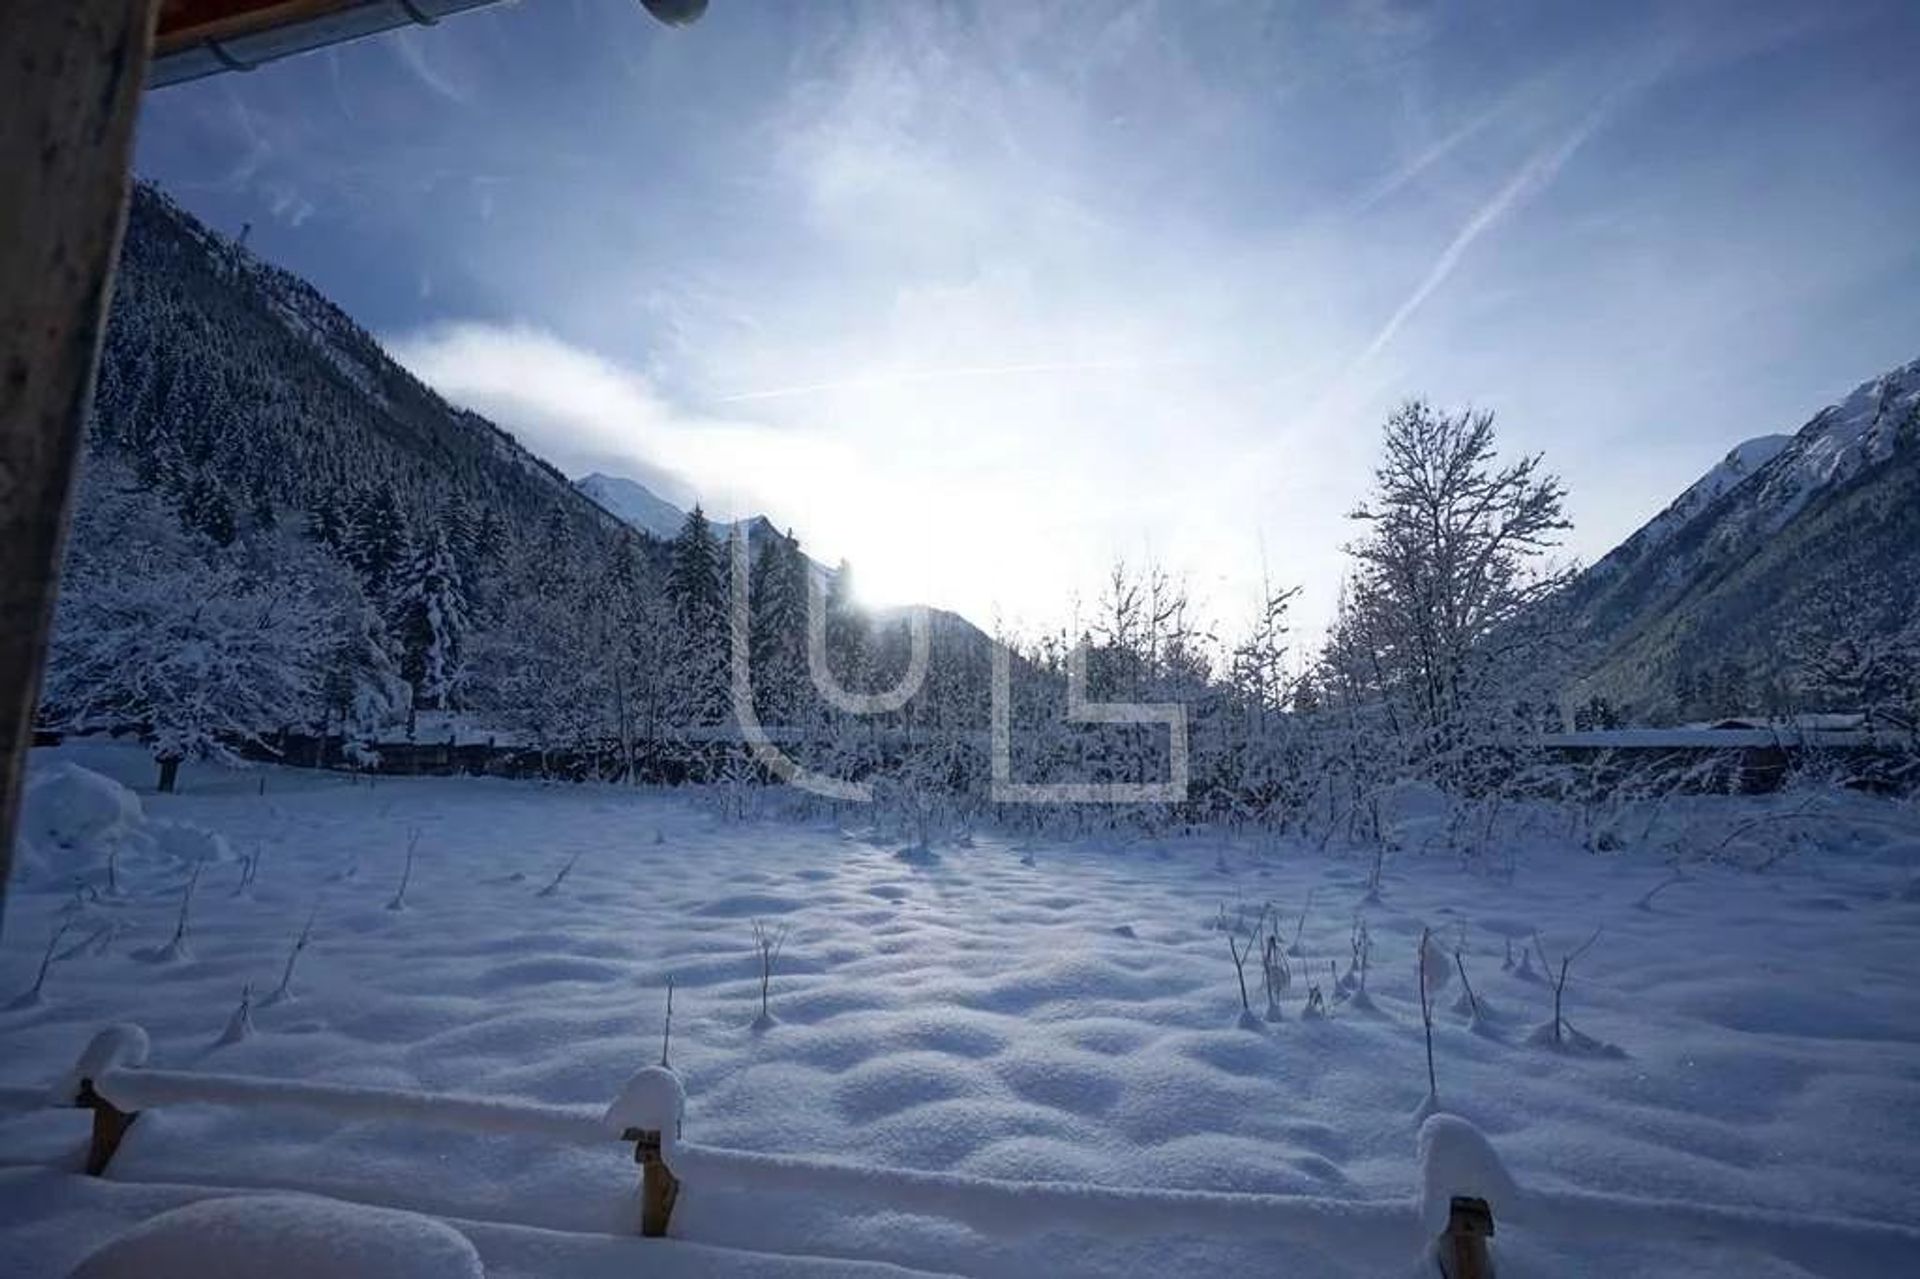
(1024, 1011)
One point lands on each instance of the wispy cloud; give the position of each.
(980, 293)
(962, 373)
(1531, 178)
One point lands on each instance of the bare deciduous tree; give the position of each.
(1446, 605)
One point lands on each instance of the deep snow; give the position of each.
(1025, 1011)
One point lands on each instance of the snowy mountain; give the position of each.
(635, 504)
(1695, 612)
(1732, 471)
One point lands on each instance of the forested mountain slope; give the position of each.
(1791, 542)
(233, 380)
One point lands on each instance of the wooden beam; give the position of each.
(73, 73)
(189, 22)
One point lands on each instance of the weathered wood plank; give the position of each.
(73, 73)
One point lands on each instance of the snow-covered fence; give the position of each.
(1463, 1183)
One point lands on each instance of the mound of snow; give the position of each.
(286, 1237)
(187, 842)
(71, 817)
(652, 1101)
(1412, 814)
(1457, 1159)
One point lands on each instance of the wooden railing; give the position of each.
(1452, 1218)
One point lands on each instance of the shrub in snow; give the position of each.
(652, 1101)
(1353, 982)
(1457, 1159)
(1275, 971)
(287, 1237)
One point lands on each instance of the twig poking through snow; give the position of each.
(1277, 974)
(1300, 926)
(666, 1029)
(240, 1025)
(178, 945)
(1646, 902)
(1426, 1014)
(768, 942)
(399, 901)
(560, 878)
(249, 871)
(284, 991)
(1473, 1001)
(31, 996)
(1560, 979)
(1242, 942)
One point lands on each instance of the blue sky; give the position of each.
(982, 296)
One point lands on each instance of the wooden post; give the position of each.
(73, 73)
(659, 1188)
(1463, 1247)
(110, 1124)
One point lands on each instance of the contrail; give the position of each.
(1432, 155)
(1532, 177)
(958, 373)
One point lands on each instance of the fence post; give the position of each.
(119, 1047)
(110, 1124)
(1463, 1247)
(647, 1113)
(659, 1188)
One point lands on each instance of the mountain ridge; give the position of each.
(1713, 593)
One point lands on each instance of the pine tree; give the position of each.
(698, 644)
(205, 507)
(379, 540)
(777, 593)
(361, 686)
(695, 579)
(432, 625)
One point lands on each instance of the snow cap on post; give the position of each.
(652, 1101)
(120, 1045)
(1457, 1159)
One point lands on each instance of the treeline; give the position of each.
(280, 529)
